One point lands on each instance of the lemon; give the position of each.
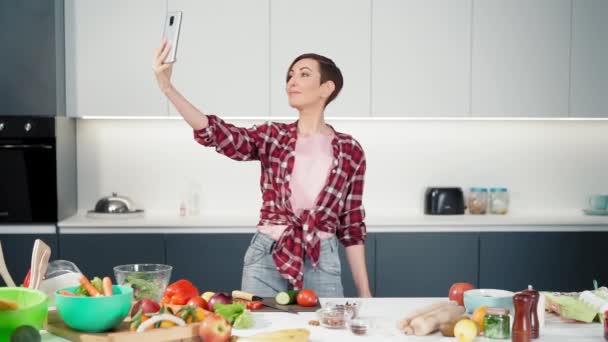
(465, 330)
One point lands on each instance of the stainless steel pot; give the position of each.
(114, 204)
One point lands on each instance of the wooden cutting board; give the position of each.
(57, 327)
(294, 307)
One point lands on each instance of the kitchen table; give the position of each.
(385, 312)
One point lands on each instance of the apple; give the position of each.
(220, 297)
(148, 306)
(457, 292)
(214, 328)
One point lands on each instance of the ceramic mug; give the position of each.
(598, 202)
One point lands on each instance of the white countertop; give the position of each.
(385, 312)
(571, 220)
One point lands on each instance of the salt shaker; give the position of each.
(521, 331)
(534, 322)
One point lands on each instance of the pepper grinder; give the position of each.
(534, 322)
(521, 331)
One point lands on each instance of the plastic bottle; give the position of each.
(534, 323)
(521, 331)
(182, 209)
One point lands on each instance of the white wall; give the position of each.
(547, 165)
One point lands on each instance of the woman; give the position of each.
(312, 184)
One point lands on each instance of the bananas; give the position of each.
(290, 335)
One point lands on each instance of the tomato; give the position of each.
(307, 298)
(198, 302)
(255, 305)
(179, 292)
(457, 292)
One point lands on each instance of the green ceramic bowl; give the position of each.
(94, 314)
(33, 308)
(491, 298)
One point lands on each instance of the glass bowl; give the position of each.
(147, 280)
(359, 326)
(352, 307)
(332, 318)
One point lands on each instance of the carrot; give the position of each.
(66, 293)
(88, 286)
(107, 286)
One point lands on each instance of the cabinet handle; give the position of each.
(25, 146)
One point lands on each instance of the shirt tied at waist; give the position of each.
(300, 239)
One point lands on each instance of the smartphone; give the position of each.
(173, 24)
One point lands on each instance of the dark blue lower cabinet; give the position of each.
(213, 262)
(17, 249)
(97, 254)
(370, 255)
(424, 264)
(550, 261)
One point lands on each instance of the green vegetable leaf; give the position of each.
(244, 320)
(229, 311)
(80, 291)
(98, 284)
(143, 286)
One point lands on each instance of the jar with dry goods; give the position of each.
(499, 201)
(478, 201)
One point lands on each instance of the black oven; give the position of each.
(28, 170)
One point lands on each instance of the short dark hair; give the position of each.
(328, 70)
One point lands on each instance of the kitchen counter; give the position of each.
(573, 220)
(385, 312)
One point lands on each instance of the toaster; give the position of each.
(444, 201)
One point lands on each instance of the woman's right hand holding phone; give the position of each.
(162, 70)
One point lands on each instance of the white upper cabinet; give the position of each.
(222, 57)
(109, 50)
(421, 58)
(589, 87)
(521, 57)
(337, 29)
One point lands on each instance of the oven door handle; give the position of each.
(25, 146)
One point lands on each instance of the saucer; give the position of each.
(596, 212)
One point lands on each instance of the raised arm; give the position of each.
(194, 117)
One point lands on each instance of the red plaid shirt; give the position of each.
(338, 210)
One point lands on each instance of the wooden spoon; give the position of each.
(6, 305)
(40, 261)
(8, 280)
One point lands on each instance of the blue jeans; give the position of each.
(261, 277)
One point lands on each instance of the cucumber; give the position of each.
(286, 297)
(25, 333)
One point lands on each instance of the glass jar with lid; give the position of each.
(499, 201)
(478, 201)
(497, 323)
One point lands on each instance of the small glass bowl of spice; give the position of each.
(359, 326)
(497, 323)
(352, 307)
(332, 318)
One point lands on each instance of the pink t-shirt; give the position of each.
(313, 158)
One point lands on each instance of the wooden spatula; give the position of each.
(6, 304)
(8, 280)
(40, 261)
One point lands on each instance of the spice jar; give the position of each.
(499, 201)
(497, 323)
(478, 201)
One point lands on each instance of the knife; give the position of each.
(266, 301)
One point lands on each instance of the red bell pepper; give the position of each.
(180, 292)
